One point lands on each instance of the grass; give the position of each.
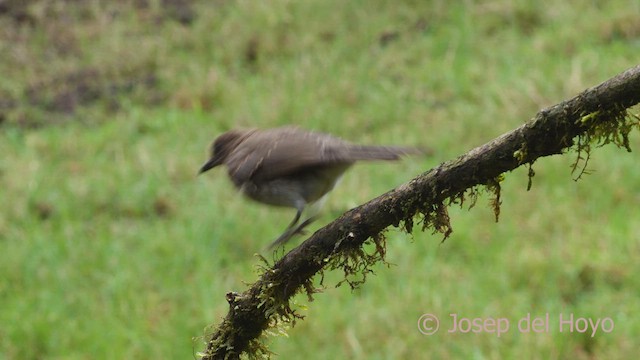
(113, 248)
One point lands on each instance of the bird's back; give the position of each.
(274, 153)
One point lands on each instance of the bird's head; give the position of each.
(222, 146)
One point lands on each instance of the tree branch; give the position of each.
(596, 116)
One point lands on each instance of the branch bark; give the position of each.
(598, 114)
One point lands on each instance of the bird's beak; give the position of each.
(213, 162)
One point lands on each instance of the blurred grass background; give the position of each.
(112, 248)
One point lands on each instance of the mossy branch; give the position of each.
(597, 116)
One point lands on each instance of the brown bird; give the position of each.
(289, 166)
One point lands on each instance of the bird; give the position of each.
(290, 166)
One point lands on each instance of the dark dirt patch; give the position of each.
(60, 97)
(59, 65)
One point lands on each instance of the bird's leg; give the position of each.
(290, 232)
(292, 229)
(296, 218)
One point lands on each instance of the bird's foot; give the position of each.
(290, 232)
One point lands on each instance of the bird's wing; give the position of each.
(290, 149)
(242, 164)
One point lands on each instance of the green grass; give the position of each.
(112, 248)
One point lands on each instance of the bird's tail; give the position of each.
(371, 152)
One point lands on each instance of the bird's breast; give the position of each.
(306, 186)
